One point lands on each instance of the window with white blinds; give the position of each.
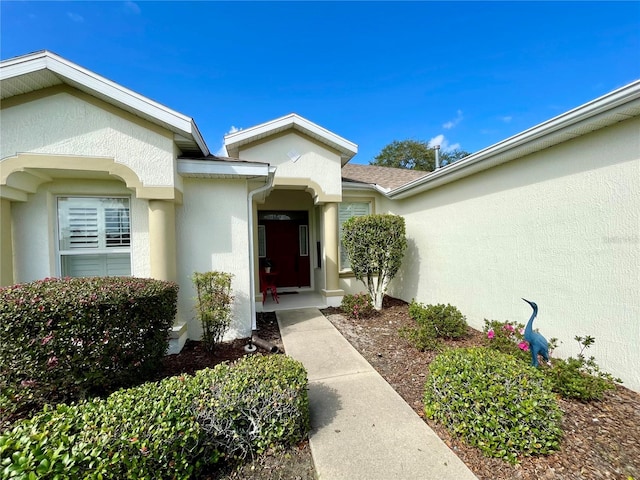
(347, 210)
(94, 236)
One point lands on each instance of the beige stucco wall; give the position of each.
(64, 122)
(213, 235)
(560, 227)
(318, 166)
(35, 222)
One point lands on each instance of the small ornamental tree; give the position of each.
(213, 305)
(375, 245)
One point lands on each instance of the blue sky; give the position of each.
(462, 74)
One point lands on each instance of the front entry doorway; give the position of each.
(284, 240)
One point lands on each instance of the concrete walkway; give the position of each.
(360, 427)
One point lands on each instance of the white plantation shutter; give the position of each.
(347, 210)
(94, 236)
(83, 227)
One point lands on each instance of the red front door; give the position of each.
(287, 247)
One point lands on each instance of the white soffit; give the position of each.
(45, 69)
(234, 141)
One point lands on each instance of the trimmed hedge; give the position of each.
(157, 430)
(64, 339)
(494, 402)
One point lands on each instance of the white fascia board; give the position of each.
(74, 73)
(462, 168)
(259, 131)
(365, 186)
(218, 168)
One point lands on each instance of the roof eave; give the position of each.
(78, 76)
(602, 112)
(234, 141)
(221, 168)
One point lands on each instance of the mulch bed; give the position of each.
(601, 439)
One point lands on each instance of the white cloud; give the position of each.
(444, 143)
(75, 17)
(222, 151)
(132, 7)
(506, 118)
(452, 123)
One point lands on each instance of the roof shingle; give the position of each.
(385, 177)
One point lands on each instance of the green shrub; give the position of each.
(494, 402)
(357, 306)
(64, 339)
(506, 337)
(149, 431)
(213, 305)
(256, 404)
(434, 321)
(581, 377)
(169, 429)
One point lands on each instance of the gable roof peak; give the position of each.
(292, 121)
(43, 69)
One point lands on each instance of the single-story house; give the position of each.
(96, 179)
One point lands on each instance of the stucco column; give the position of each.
(6, 244)
(162, 239)
(330, 214)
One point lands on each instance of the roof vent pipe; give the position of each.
(437, 149)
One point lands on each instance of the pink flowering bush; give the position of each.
(65, 339)
(506, 337)
(357, 306)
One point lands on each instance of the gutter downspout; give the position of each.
(252, 270)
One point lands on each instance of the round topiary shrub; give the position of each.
(494, 402)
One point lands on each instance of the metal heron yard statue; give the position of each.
(537, 343)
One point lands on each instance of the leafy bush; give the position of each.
(255, 404)
(506, 337)
(64, 339)
(375, 245)
(214, 305)
(357, 306)
(149, 431)
(580, 377)
(434, 321)
(494, 402)
(170, 429)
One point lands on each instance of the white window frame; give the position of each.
(348, 209)
(100, 245)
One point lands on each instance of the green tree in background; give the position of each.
(414, 155)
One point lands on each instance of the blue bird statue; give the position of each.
(537, 343)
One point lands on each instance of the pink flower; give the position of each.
(523, 346)
(491, 334)
(522, 331)
(52, 362)
(509, 327)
